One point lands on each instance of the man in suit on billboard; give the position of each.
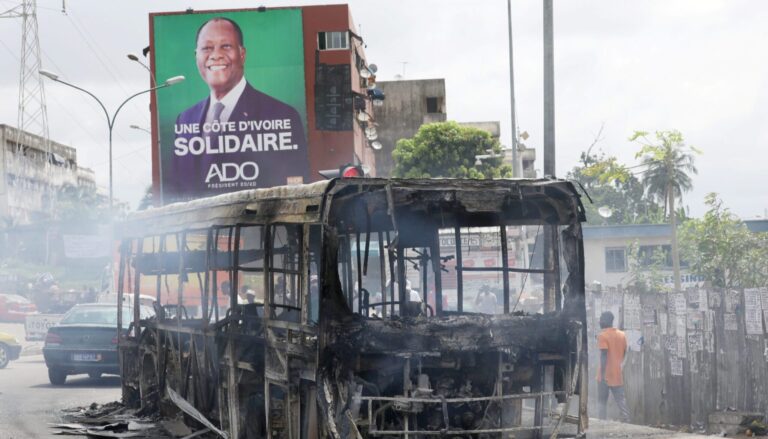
(240, 137)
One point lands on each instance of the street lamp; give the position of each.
(136, 127)
(111, 120)
(135, 58)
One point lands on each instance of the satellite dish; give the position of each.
(365, 73)
(371, 134)
(371, 85)
(605, 211)
(376, 145)
(373, 68)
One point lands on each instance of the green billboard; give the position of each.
(238, 121)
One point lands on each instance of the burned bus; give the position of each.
(362, 308)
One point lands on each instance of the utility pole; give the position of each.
(549, 91)
(516, 168)
(550, 300)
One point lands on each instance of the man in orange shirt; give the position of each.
(613, 345)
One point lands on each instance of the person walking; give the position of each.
(613, 347)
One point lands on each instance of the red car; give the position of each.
(14, 308)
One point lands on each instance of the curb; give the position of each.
(33, 349)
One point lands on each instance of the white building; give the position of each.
(608, 258)
(30, 175)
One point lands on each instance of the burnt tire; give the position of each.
(94, 375)
(4, 356)
(56, 376)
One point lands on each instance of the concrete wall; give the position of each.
(403, 112)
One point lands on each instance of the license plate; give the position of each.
(86, 357)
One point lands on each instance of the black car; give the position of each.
(85, 341)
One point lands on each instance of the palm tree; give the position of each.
(669, 164)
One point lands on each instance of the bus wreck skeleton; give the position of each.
(318, 354)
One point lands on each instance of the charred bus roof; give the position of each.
(530, 201)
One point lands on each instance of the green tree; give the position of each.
(669, 164)
(721, 248)
(446, 149)
(610, 183)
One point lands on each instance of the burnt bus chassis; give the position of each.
(348, 375)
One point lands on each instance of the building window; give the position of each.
(432, 105)
(616, 259)
(333, 40)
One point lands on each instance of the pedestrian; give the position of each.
(613, 347)
(486, 301)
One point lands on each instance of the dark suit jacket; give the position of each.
(185, 176)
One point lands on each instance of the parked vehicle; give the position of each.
(85, 341)
(15, 308)
(10, 349)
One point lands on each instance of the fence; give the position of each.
(691, 353)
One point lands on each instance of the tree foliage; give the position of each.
(446, 149)
(610, 183)
(721, 248)
(669, 163)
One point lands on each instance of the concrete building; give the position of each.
(608, 259)
(31, 174)
(408, 105)
(411, 103)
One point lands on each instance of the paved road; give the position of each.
(28, 402)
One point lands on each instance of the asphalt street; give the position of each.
(28, 402)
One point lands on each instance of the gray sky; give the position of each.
(698, 66)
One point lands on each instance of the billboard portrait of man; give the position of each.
(235, 137)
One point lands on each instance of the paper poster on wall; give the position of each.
(676, 366)
(682, 347)
(693, 298)
(753, 318)
(709, 342)
(670, 344)
(764, 298)
(680, 306)
(715, 299)
(632, 312)
(729, 322)
(649, 315)
(634, 340)
(695, 342)
(709, 321)
(663, 323)
(680, 326)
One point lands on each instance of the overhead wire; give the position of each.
(94, 47)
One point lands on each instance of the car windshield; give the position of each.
(103, 315)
